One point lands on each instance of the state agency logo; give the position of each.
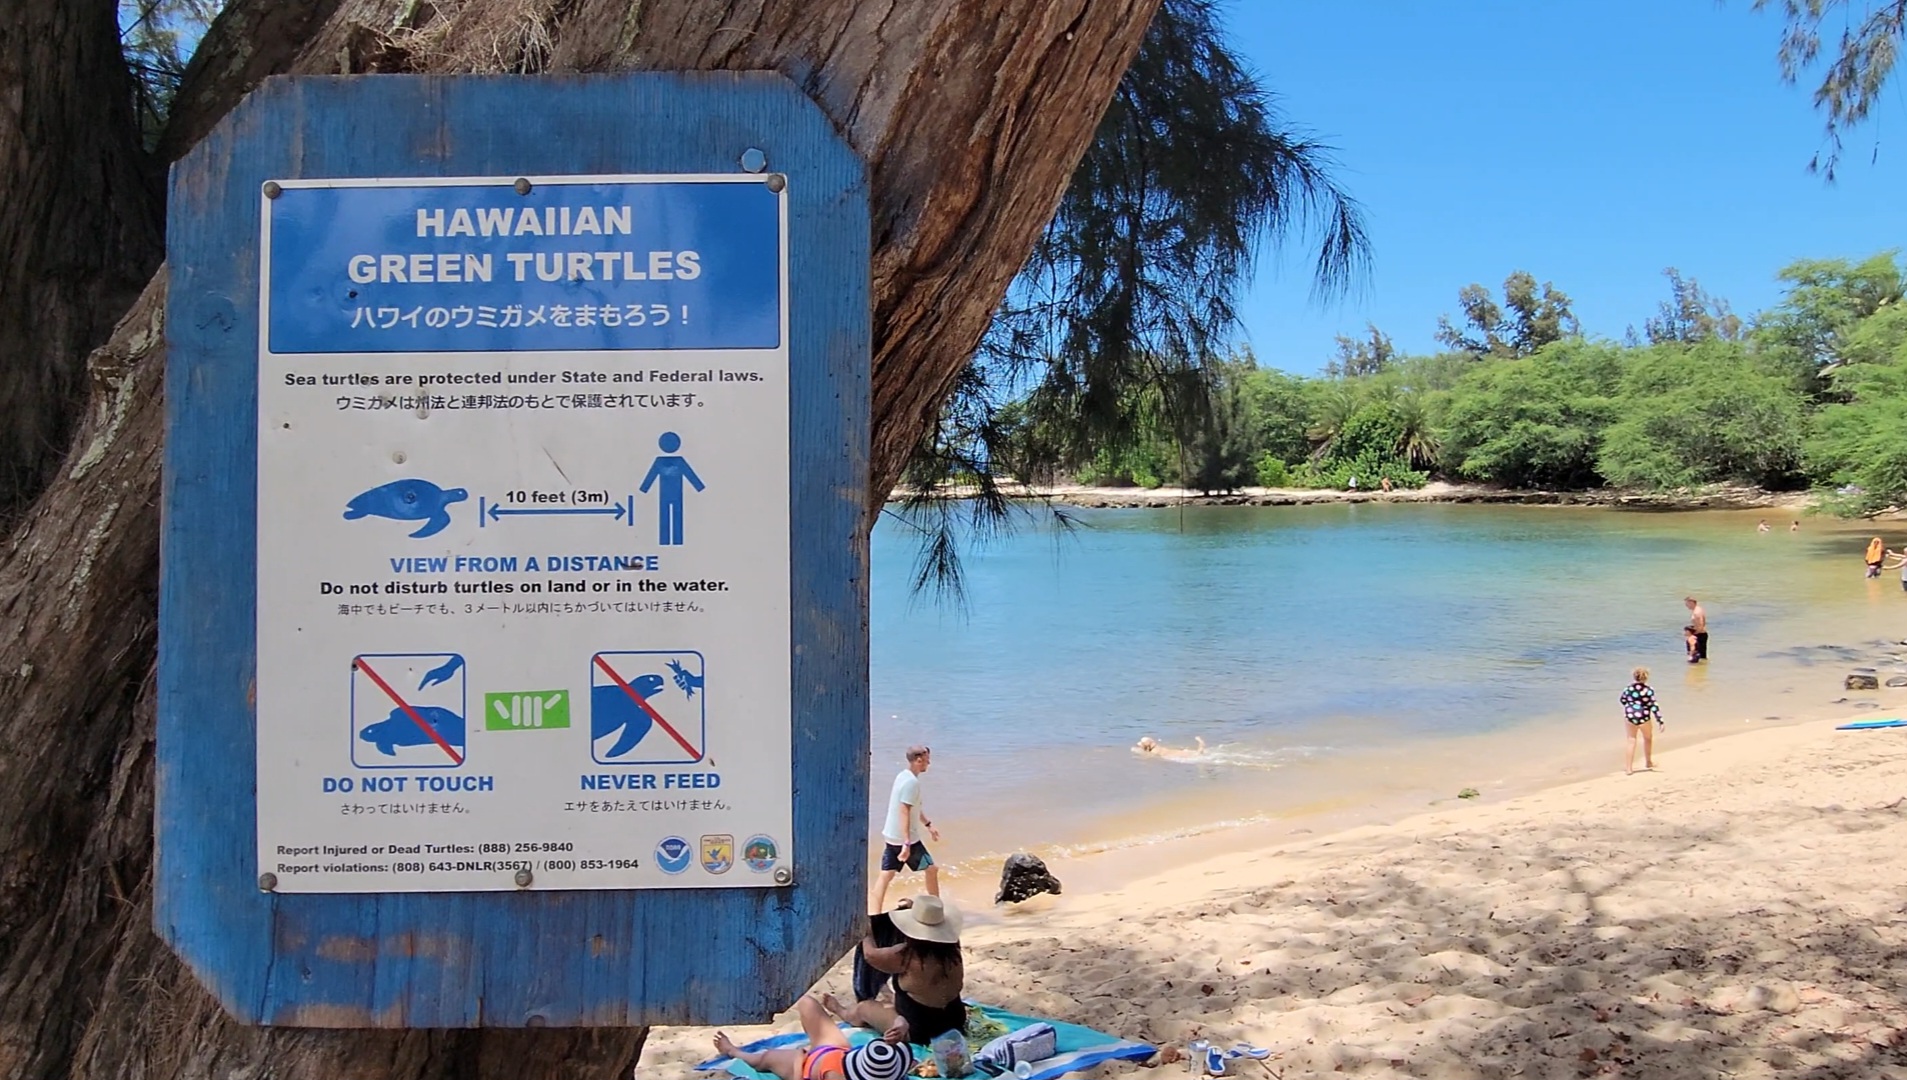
(760, 853)
(674, 854)
(718, 853)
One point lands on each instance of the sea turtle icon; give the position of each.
(408, 500)
(614, 709)
(401, 728)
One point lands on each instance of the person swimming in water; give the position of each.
(1151, 747)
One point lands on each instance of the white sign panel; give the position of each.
(523, 576)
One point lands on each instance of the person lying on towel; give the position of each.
(827, 1056)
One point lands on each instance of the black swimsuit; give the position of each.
(925, 1022)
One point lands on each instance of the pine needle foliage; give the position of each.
(1129, 296)
(1860, 60)
(157, 38)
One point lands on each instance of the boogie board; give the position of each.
(1863, 725)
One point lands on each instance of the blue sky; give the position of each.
(1591, 142)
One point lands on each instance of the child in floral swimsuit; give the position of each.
(1638, 708)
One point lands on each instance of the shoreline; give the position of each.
(1722, 497)
(1736, 913)
(1382, 786)
(1764, 683)
(1113, 863)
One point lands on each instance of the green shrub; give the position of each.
(1144, 467)
(1702, 414)
(1372, 431)
(1369, 468)
(1534, 422)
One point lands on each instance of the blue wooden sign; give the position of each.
(513, 632)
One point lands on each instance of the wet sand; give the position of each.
(1233, 807)
(1738, 913)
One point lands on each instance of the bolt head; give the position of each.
(777, 182)
(272, 190)
(523, 879)
(754, 160)
(784, 876)
(267, 882)
(521, 187)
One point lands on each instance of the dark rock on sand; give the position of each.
(1862, 682)
(1024, 876)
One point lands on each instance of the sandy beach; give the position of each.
(1742, 912)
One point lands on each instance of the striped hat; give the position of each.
(878, 1060)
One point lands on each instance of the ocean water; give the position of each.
(1335, 658)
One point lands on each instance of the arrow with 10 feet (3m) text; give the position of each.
(489, 512)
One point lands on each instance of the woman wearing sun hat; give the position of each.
(928, 976)
(828, 1056)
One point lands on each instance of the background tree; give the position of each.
(79, 228)
(1535, 421)
(157, 38)
(1417, 440)
(1702, 414)
(1690, 314)
(1358, 357)
(1858, 441)
(1528, 319)
(1283, 405)
(1223, 455)
(964, 173)
(1118, 319)
(1330, 412)
(1826, 301)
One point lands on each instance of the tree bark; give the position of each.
(80, 224)
(971, 116)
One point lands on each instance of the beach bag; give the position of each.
(1034, 1042)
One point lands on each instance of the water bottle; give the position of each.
(1195, 1057)
(1023, 1070)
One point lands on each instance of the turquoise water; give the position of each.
(1342, 653)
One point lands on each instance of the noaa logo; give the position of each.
(760, 853)
(718, 853)
(674, 854)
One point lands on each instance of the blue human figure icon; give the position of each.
(670, 469)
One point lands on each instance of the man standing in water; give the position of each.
(1697, 631)
(905, 819)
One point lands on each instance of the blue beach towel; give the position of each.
(1080, 1048)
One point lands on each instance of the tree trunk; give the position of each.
(971, 116)
(79, 226)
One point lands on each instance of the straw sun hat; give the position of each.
(928, 920)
